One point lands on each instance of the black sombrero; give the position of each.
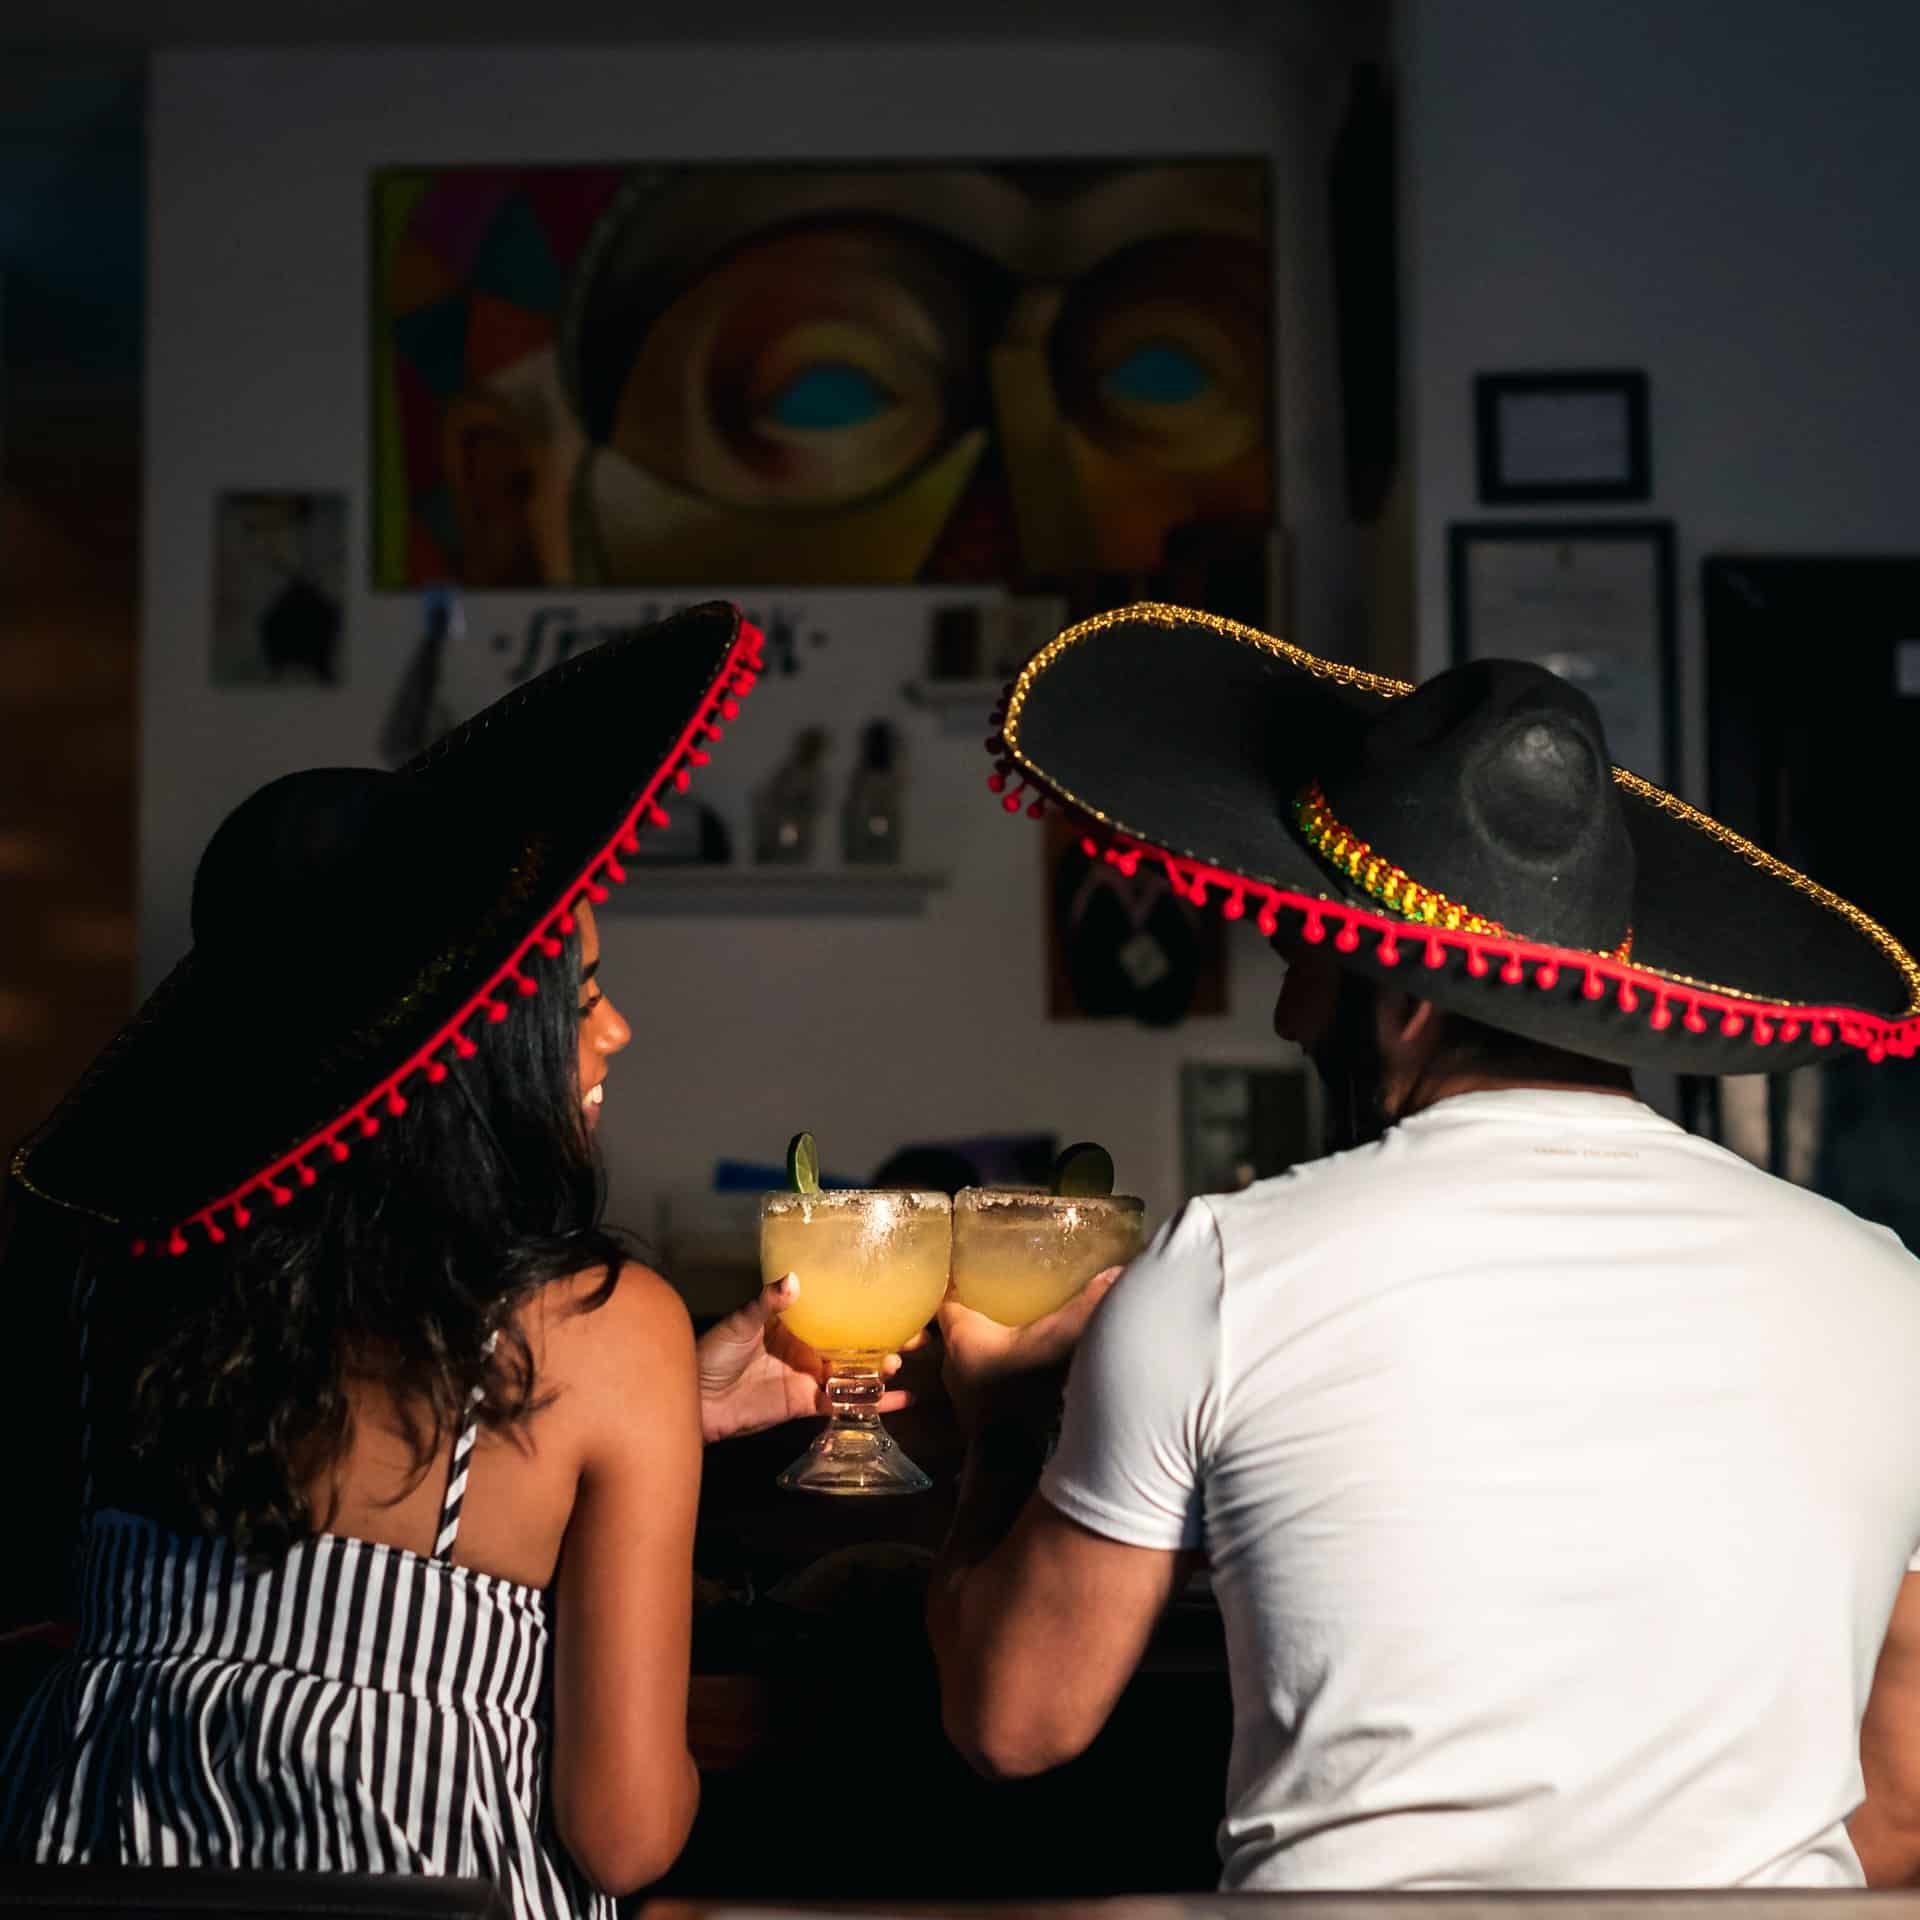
(1468, 839)
(352, 926)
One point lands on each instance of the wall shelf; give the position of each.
(961, 706)
(870, 892)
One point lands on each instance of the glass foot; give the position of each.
(856, 1455)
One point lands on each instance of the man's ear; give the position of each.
(1399, 1018)
(490, 468)
(1407, 1030)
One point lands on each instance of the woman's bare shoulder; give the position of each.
(638, 1335)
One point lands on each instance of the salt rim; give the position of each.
(784, 1199)
(979, 1199)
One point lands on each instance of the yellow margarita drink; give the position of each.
(1017, 1256)
(872, 1266)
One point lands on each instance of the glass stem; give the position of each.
(853, 1399)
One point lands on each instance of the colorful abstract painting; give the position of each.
(829, 375)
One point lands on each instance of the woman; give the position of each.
(367, 1375)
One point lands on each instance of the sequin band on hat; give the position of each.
(1343, 850)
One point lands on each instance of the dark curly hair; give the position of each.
(222, 1394)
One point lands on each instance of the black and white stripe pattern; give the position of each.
(350, 1707)
(449, 1530)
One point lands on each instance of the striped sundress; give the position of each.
(350, 1707)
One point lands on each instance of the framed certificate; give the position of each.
(1593, 603)
(1561, 437)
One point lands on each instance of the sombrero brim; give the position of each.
(1179, 738)
(187, 1123)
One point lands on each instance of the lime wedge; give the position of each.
(803, 1164)
(1083, 1172)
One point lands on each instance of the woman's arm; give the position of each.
(624, 1785)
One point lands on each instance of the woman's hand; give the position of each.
(754, 1374)
(1017, 1369)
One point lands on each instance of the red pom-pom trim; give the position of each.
(1763, 1023)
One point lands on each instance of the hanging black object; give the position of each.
(1366, 291)
(418, 716)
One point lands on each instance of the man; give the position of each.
(1558, 1471)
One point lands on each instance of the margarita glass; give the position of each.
(872, 1266)
(1020, 1255)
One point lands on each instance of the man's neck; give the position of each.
(1430, 1091)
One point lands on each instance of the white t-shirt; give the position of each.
(1558, 1472)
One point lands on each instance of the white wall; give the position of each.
(1720, 191)
(867, 1032)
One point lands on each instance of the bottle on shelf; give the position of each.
(786, 805)
(870, 821)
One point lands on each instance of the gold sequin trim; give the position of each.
(1160, 614)
(1370, 870)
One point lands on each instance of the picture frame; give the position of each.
(1592, 601)
(279, 589)
(1562, 438)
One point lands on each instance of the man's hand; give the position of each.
(1018, 1370)
(754, 1374)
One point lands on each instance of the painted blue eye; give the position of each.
(1158, 375)
(831, 395)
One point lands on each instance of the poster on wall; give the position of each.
(1123, 946)
(829, 375)
(279, 585)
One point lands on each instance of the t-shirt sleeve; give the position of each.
(1143, 1395)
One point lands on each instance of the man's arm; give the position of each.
(1036, 1641)
(1040, 1607)
(1885, 1828)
